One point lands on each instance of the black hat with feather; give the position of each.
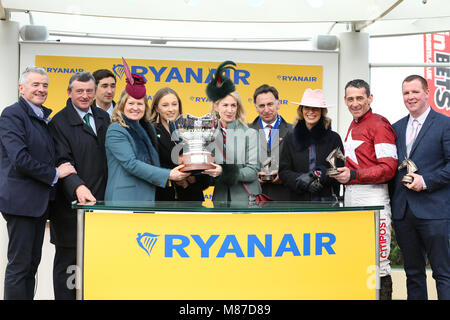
(220, 85)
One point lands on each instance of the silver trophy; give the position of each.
(196, 133)
(332, 158)
(410, 168)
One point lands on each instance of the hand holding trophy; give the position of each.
(267, 174)
(410, 168)
(196, 134)
(332, 158)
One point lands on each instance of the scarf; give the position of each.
(145, 140)
(303, 138)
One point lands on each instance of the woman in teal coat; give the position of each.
(131, 149)
(235, 145)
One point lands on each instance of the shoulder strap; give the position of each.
(246, 188)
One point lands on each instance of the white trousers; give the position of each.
(373, 195)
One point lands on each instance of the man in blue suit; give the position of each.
(421, 208)
(27, 177)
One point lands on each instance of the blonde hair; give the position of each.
(241, 116)
(117, 114)
(323, 116)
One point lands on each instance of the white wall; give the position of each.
(386, 83)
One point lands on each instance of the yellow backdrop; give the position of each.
(188, 78)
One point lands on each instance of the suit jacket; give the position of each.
(431, 153)
(277, 192)
(241, 165)
(194, 192)
(27, 161)
(130, 179)
(77, 143)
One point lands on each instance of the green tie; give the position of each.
(86, 118)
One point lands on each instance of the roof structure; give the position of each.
(231, 20)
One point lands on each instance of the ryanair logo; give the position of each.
(119, 70)
(181, 75)
(249, 246)
(147, 241)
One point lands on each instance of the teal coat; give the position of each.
(129, 179)
(241, 164)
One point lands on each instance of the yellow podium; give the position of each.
(176, 250)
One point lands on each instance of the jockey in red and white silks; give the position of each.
(371, 156)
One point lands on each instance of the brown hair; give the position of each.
(154, 116)
(417, 77)
(323, 116)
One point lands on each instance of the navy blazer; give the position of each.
(27, 161)
(431, 153)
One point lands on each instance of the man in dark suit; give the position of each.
(421, 208)
(27, 176)
(79, 132)
(272, 130)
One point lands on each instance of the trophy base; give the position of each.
(407, 179)
(267, 177)
(196, 162)
(332, 172)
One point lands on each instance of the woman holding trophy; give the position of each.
(131, 145)
(235, 146)
(166, 107)
(310, 150)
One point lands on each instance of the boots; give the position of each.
(386, 288)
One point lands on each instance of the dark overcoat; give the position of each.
(194, 192)
(77, 143)
(295, 159)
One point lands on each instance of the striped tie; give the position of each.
(270, 132)
(224, 134)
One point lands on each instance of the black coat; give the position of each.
(277, 192)
(194, 192)
(294, 158)
(76, 142)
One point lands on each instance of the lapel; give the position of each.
(30, 112)
(99, 118)
(402, 137)
(425, 127)
(165, 139)
(284, 129)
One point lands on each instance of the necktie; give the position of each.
(270, 132)
(224, 134)
(86, 119)
(412, 136)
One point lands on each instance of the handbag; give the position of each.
(259, 198)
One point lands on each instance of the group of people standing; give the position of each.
(95, 149)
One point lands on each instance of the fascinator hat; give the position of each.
(220, 85)
(135, 83)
